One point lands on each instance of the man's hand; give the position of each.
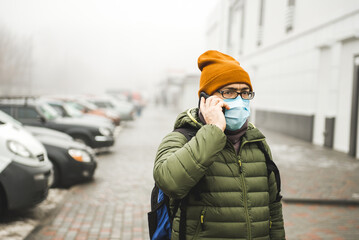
(211, 109)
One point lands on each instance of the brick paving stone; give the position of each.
(115, 204)
(324, 222)
(313, 172)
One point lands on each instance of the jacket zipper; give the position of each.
(202, 219)
(245, 202)
(240, 165)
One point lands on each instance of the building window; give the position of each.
(289, 18)
(260, 23)
(236, 27)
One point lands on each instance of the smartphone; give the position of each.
(205, 95)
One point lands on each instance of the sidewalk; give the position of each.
(320, 189)
(313, 173)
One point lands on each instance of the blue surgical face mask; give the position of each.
(238, 113)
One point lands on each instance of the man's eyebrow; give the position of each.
(236, 89)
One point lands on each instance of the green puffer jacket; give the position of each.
(237, 199)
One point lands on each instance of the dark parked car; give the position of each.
(73, 162)
(35, 112)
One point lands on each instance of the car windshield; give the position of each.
(6, 118)
(72, 110)
(103, 104)
(77, 106)
(88, 105)
(48, 112)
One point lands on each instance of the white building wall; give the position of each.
(345, 83)
(308, 71)
(313, 13)
(357, 139)
(322, 105)
(217, 27)
(285, 76)
(274, 21)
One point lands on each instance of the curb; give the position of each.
(44, 222)
(337, 202)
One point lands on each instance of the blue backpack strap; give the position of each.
(158, 219)
(164, 228)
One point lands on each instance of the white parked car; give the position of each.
(25, 170)
(126, 110)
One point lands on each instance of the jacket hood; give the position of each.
(253, 133)
(190, 118)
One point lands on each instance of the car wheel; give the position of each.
(56, 182)
(2, 201)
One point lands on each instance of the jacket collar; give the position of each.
(190, 118)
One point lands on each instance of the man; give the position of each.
(221, 171)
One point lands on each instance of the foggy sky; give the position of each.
(93, 45)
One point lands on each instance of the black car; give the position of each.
(34, 112)
(73, 162)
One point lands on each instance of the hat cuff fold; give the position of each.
(225, 78)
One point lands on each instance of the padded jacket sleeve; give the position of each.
(179, 164)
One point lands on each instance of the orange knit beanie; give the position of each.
(218, 70)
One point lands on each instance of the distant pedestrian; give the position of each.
(222, 171)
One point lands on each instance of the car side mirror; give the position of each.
(42, 119)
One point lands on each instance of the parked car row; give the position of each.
(52, 142)
(80, 107)
(125, 110)
(37, 112)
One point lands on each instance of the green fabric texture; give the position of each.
(237, 199)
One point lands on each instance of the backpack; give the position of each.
(160, 218)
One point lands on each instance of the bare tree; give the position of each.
(15, 64)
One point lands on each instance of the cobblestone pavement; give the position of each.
(313, 172)
(115, 204)
(321, 222)
(16, 225)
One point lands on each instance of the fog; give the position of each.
(79, 46)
